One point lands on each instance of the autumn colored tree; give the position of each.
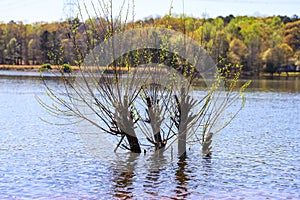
(277, 58)
(287, 53)
(242, 39)
(237, 52)
(271, 58)
(292, 34)
(13, 52)
(33, 51)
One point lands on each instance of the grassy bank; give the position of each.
(56, 67)
(29, 67)
(282, 74)
(20, 67)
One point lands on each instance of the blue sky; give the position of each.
(53, 10)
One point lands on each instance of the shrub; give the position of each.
(67, 68)
(45, 67)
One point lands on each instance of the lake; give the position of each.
(256, 157)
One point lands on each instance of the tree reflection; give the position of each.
(155, 169)
(130, 169)
(123, 175)
(182, 178)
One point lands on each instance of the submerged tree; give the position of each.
(137, 84)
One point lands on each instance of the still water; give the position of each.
(256, 157)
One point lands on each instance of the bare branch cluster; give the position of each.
(138, 85)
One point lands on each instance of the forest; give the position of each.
(259, 44)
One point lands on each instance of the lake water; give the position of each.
(255, 157)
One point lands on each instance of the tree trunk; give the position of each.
(133, 143)
(182, 142)
(159, 143)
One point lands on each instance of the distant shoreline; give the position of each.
(28, 67)
(35, 68)
(20, 67)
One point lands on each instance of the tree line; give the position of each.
(270, 44)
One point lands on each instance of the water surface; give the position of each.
(257, 156)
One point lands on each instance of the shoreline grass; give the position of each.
(282, 74)
(29, 67)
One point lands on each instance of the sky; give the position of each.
(30, 11)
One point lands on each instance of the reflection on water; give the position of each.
(182, 178)
(153, 175)
(257, 156)
(123, 177)
(292, 84)
(277, 84)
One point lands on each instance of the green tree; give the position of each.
(45, 46)
(233, 28)
(56, 51)
(271, 32)
(212, 37)
(14, 43)
(12, 53)
(26, 35)
(2, 43)
(220, 43)
(34, 49)
(253, 39)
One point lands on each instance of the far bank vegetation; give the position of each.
(259, 44)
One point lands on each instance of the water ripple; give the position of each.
(257, 156)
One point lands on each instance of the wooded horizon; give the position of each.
(258, 43)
